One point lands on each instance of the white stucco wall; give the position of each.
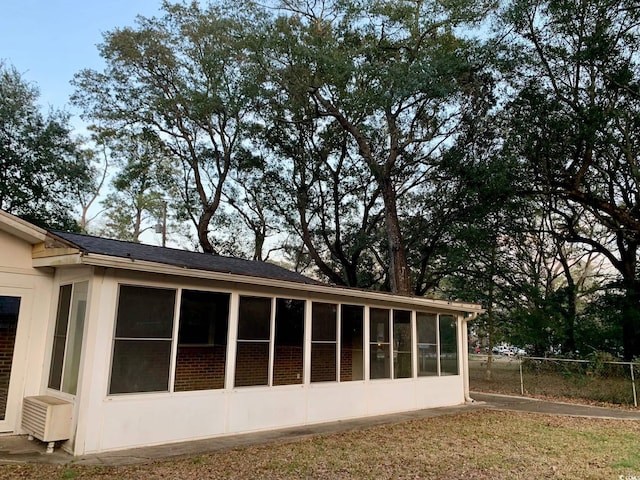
(123, 421)
(34, 286)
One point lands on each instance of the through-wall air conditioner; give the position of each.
(47, 418)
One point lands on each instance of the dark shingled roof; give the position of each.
(181, 258)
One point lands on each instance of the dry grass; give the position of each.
(554, 381)
(478, 444)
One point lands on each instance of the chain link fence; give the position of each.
(594, 380)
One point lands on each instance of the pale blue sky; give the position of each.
(48, 41)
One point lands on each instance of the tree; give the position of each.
(575, 127)
(136, 202)
(39, 164)
(183, 78)
(393, 76)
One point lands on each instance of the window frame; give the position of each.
(71, 360)
(172, 339)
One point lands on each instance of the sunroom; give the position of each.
(152, 345)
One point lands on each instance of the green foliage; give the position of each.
(39, 162)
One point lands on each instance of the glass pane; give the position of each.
(202, 348)
(252, 364)
(74, 341)
(323, 362)
(426, 325)
(379, 349)
(60, 337)
(145, 312)
(9, 310)
(401, 344)
(324, 329)
(379, 325)
(140, 366)
(448, 346)
(323, 324)
(288, 354)
(254, 318)
(204, 318)
(351, 343)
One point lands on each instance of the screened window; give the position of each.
(351, 343)
(324, 318)
(402, 344)
(67, 339)
(448, 345)
(379, 347)
(202, 340)
(252, 352)
(142, 345)
(288, 352)
(427, 328)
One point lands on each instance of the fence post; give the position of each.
(633, 386)
(522, 381)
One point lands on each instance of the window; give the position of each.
(379, 346)
(351, 343)
(402, 344)
(448, 345)
(323, 342)
(288, 352)
(252, 352)
(202, 340)
(67, 338)
(142, 345)
(427, 327)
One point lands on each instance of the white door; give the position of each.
(15, 304)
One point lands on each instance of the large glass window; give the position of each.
(142, 346)
(402, 344)
(427, 328)
(288, 352)
(323, 342)
(379, 346)
(202, 340)
(67, 339)
(448, 345)
(351, 343)
(252, 352)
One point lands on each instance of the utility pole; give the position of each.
(164, 223)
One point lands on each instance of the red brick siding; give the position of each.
(323, 362)
(287, 365)
(7, 340)
(200, 368)
(252, 364)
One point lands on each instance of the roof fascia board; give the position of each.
(21, 229)
(98, 260)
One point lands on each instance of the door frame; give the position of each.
(19, 361)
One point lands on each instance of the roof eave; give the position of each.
(21, 228)
(107, 261)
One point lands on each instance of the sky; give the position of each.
(48, 41)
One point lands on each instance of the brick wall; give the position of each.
(200, 367)
(8, 326)
(287, 365)
(252, 364)
(323, 362)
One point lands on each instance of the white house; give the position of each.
(145, 345)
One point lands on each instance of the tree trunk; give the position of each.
(398, 268)
(631, 322)
(203, 233)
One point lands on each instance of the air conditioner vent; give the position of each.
(47, 418)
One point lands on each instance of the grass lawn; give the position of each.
(478, 444)
(553, 380)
